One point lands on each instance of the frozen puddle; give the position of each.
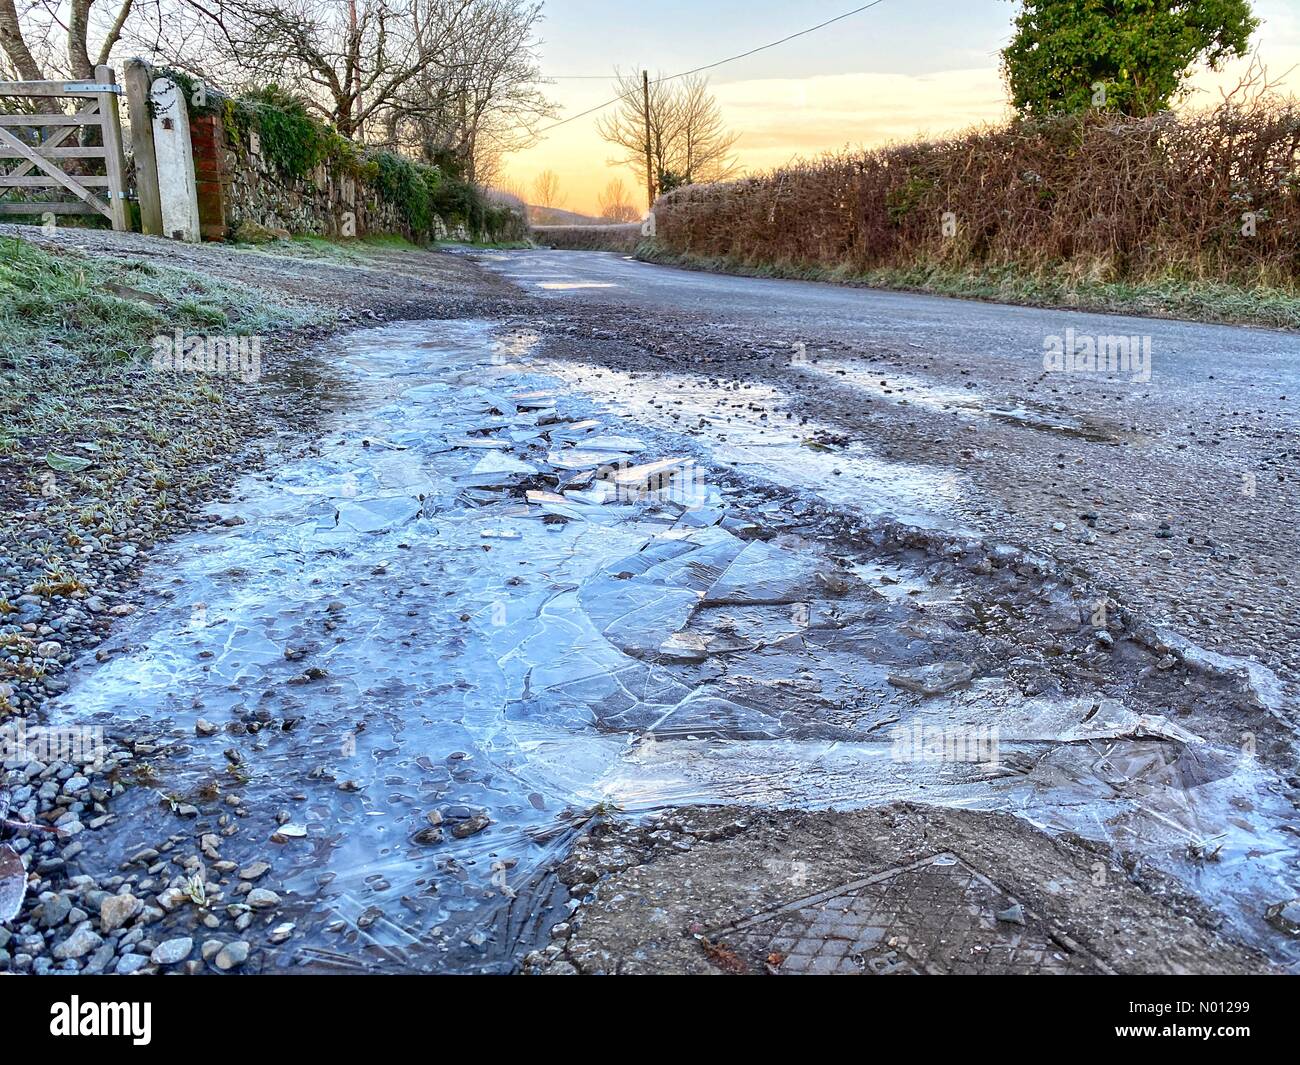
(544, 277)
(905, 390)
(743, 427)
(895, 387)
(439, 634)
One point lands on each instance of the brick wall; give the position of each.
(212, 175)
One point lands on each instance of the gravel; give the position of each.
(70, 559)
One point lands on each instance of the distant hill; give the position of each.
(556, 216)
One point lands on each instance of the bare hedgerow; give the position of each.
(1213, 195)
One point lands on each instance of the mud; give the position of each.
(902, 889)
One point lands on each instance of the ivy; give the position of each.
(410, 186)
(295, 142)
(1131, 56)
(291, 139)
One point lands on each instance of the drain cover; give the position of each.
(937, 915)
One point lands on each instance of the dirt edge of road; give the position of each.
(900, 888)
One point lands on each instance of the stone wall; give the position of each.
(242, 193)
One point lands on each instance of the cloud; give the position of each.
(780, 119)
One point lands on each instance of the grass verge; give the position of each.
(357, 251)
(86, 421)
(55, 306)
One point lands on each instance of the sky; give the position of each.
(902, 70)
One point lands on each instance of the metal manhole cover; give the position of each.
(937, 915)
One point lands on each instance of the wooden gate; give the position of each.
(52, 137)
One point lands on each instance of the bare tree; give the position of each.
(476, 96)
(82, 22)
(615, 204)
(702, 148)
(546, 190)
(79, 27)
(14, 42)
(514, 189)
(452, 82)
(347, 60)
(688, 140)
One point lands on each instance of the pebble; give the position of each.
(254, 871)
(1013, 914)
(172, 951)
(477, 823)
(262, 899)
(233, 955)
(281, 932)
(79, 944)
(116, 910)
(130, 963)
(55, 910)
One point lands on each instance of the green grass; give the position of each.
(389, 241)
(1163, 297)
(345, 251)
(66, 304)
(76, 335)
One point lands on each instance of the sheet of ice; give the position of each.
(370, 658)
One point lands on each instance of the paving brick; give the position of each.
(938, 915)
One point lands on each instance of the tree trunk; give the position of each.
(15, 47)
(78, 46)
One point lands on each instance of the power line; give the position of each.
(765, 47)
(706, 66)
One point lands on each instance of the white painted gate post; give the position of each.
(177, 190)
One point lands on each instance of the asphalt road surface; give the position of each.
(1175, 483)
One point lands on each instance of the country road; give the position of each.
(594, 616)
(1191, 475)
(1215, 364)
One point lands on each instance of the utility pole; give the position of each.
(649, 168)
